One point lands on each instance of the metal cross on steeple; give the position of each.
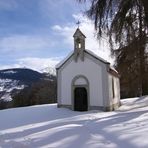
(78, 23)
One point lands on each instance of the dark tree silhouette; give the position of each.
(125, 22)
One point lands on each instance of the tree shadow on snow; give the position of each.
(70, 130)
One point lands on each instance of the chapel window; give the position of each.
(113, 89)
(78, 43)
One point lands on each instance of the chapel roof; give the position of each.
(86, 51)
(78, 31)
(111, 70)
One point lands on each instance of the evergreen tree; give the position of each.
(126, 24)
(41, 92)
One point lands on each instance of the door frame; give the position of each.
(86, 86)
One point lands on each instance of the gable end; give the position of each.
(114, 73)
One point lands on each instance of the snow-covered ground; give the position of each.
(7, 86)
(47, 126)
(9, 71)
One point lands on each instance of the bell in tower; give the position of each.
(79, 45)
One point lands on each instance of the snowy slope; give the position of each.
(7, 86)
(47, 126)
(13, 80)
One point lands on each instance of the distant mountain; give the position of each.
(23, 75)
(49, 71)
(13, 80)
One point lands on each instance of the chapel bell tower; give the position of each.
(79, 45)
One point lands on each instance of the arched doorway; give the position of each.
(80, 93)
(80, 99)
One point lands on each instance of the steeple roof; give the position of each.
(78, 32)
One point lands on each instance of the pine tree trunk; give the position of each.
(141, 49)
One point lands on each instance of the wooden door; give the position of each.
(80, 99)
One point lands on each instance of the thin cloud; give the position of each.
(8, 5)
(58, 43)
(56, 28)
(59, 11)
(38, 64)
(23, 42)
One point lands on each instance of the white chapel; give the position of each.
(85, 81)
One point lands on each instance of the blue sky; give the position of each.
(38, 33)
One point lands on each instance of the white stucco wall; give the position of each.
(89, 69)
(80, 81)
(116, 85)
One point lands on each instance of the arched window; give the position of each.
(78, 43)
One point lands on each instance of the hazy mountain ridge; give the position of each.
(21, 74)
